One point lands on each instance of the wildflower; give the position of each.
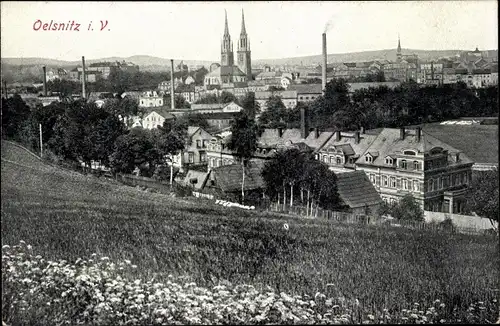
(285, 226)
(29, 247)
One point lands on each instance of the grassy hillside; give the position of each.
(65, 215)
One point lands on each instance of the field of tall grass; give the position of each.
(66, 216)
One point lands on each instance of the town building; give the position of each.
(155, 118)
(150, 99)
(402, 161)
(228, 72)
(195, 152)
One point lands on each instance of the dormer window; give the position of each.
(388, 161)
(412, 153)
(404, 164)
(368, 159)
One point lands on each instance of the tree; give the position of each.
(227, 97)
(208, 99)
(250, 106)
(482, 197)
(407, 209)
(135, 149)
(180, 102)
(195, 119)
(273, 116)
(243, 142)
(14, 113)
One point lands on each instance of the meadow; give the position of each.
(67, 216)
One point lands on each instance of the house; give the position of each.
(155, 118)
(288, 97)
(306, 92)
(226, 181)
(341, 151)
(196, 179)
(355, 86)
(357, 193)
(401, 161)
(195, 152)
(150, 99)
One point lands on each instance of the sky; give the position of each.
(193, 30)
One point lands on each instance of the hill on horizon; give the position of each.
(145, 61)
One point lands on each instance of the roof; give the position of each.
(388, 142)
(348, 143)
(229, 177)
(159, 110)
(208, 106)
(269, 74)
(355, 86)
(219, 115)
(306, 88)
(317, 142)
(226, 70)
(192, 130)
(478, 142)
(356, 190)
(270, 137)
(196, 178)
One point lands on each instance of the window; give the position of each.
(325, 158)
(203, 157)
(436, 184)
(331, 160)
(393, 182)
(409, 153)
(388, 161)
(416, 185)
(385, 180)
(198, 144)
(405, 184)
(316, 156)
(430, 186)
(339, 160)
(205, 142)
(415, 165)
(403, 164)
(191, 157)
(372, 178)
(368, 159)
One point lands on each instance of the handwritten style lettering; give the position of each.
(71, 25)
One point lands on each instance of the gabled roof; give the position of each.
(356, 190)
(192, 130)
(159, 110)
(197, 179)
(348, 139)
(317, 143)
(229, 177)
(388, 142)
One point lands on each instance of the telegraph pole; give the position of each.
(41, 143)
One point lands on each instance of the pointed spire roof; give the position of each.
(226, 28)
(399, 44)
(243, 29)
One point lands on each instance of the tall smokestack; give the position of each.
(84, 95)
(304, 126)
(44, 81)
(172, 93)
(323, 68)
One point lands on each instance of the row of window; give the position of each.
(201, 144)
(455, 179)
(393, 182)
(203, 157)
(338, 160)
(306, 97)
(215, 162)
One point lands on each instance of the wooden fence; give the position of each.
(346, 217)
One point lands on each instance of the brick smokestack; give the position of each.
(44, 81)
(323, 68)
(172, 88)
(84, 95)
(304, 128)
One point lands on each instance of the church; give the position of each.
(227, 73)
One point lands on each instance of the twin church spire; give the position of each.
(227, 53)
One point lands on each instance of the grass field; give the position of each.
(65, 215)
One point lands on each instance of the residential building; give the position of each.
(306, 92)
(430, 73)
(150, 99)
(401, 161)
(195, 153)
(155, 118)
(288, 97)
(357, 193)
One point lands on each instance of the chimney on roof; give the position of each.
(303, 122)
(316, 133)
(356, 137)
(280, 132)
(457, 157)
(338, 136)
(419, 134)
(172, 92)
(402, 133)
(44, 81)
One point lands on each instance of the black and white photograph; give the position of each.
(249, 162)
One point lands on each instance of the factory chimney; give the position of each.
(44, 81)
(84, 95)
(304, 126)
(172, 90)
(323, 68)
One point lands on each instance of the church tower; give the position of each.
(398, 52)
(227, 56)
(244, 57)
